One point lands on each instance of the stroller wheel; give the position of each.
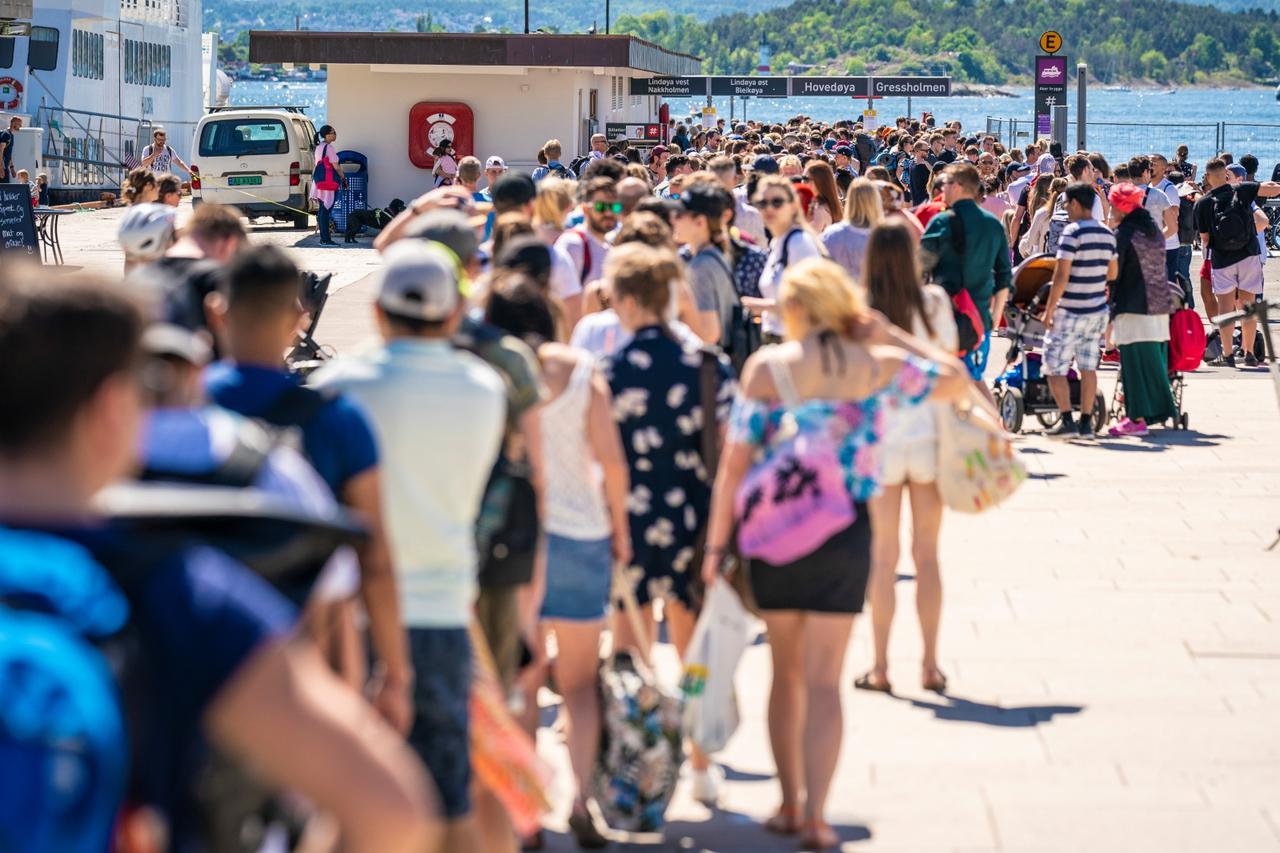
(1049, 420)
(1183, 421)
(1099, 412)
(1011, 409)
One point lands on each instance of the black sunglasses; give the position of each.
(775, 202)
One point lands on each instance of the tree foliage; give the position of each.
(983, 41)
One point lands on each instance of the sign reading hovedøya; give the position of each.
(670, 87)
(844, 87)
(911, 87)
(751, 87)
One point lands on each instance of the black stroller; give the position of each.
(308, 354)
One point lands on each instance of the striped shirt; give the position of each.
(1089, 246)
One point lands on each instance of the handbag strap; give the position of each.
(708, 388)
(782, 381)
(622, 589)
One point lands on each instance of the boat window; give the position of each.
(243, 138)
(42, 49)
(6, 52)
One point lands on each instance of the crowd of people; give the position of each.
(579, 370)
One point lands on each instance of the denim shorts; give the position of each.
(441, 734)
(578, 577)
(976, 361)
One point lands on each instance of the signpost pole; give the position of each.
(1060, 125)
(1082, 91)
(908, 106)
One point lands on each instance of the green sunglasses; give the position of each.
(602, 206)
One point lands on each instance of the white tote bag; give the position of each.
(719, 639)
(977, 465)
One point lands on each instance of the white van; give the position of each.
(257, 159)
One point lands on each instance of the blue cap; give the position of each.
(829, 144)
(765, 165)
(1238, 170)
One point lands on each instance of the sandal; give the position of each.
(935, 681)
(785, 822)
(819, 835)
(869, 681)
(585, 831)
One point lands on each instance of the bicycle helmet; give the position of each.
(146, 231)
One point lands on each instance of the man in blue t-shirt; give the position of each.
(1075, 315)
(256, 314)
(221, 660)
(7, 140)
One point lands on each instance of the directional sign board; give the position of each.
(782, 87)
(1051, 89)
(843, 87)
(752, 87)
(669, 87)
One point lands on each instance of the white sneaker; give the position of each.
(706, 785)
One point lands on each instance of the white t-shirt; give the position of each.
(438, 414)
(1156, 203)
(1170, 191)
(800, 244)
(601, 334)
(587, 269)
(564, 278)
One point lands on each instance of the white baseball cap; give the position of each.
(419, 281)
(495, 162)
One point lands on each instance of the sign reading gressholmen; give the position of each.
(911, 87)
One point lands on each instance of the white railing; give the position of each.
(170, 12)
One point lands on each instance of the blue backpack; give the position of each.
(63, 745)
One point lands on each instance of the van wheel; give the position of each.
(302, 221)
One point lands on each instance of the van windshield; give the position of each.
(243, 138)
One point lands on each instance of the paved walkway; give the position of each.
(1112, 638)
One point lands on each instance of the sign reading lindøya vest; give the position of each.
(1051, 90)
(670, 87)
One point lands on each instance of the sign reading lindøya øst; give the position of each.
(781, 87)
(1051, 89)
(749, 87)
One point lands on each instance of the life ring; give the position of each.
(10, 93)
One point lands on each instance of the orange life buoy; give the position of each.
(10, 93)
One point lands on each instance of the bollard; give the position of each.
(1058, 127)
(1082, 90)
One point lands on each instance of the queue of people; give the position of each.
(585, 378)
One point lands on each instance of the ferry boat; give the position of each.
(97, 76)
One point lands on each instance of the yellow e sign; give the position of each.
(1050, 42)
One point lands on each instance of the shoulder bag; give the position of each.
(977, 466)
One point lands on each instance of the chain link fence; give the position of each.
(1118, 141)
(1260, 140)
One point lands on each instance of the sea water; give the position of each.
(1120, 124)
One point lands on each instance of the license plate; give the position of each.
(245, 181)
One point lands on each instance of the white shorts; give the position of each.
(916, 462)
(1244, 275)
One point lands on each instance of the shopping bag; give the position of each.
(502, 754)
(977, 466)
(721, 636)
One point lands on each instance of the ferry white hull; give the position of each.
(123, 67)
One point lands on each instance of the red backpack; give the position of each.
(1186, 340)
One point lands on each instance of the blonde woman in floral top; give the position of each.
(848, 366)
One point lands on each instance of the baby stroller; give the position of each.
(1022, 388)
(1178, 361)
(307, 353)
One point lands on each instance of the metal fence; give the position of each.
(1118, 141)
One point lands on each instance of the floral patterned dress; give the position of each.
(657, 405)
(833, 579)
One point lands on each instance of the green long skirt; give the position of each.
(1145, 372)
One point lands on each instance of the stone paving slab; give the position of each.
(1111, 636)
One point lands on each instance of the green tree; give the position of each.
(1154, 65)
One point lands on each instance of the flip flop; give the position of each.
(785, 822)
(864, 682)
(819, 836)
(937, 682)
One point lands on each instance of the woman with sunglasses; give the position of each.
(841, 368)
(169, 190)
(793, 241)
